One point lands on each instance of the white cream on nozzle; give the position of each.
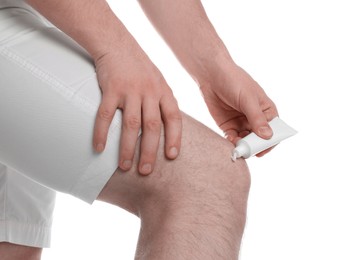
(252, 144)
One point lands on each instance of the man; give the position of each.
(191, 198)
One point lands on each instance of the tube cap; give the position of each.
(239, 151)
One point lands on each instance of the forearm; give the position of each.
(91, 23)
(186, 28)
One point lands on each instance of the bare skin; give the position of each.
(10, 251)
(193, 207)
(190, 208)
(130, 81)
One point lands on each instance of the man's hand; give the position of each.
(238, 104)
(129, 81)
(127, 78)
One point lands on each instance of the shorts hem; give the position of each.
(90, 184)
(25, 234)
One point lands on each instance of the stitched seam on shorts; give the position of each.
(26, 224)
(51, 80)
(34, 233)
(38, 73)
(15, 36)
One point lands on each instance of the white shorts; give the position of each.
(49, 96)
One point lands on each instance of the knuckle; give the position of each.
(132, 123)
(152, 125)
(174, 116)
(105, 114)
(148, 155)
(273, 107)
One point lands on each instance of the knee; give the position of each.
(203, 176)
(222, 189)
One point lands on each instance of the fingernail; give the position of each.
(230, 138)
(100, 147)
(127, 164)
(146, 168)
(173, 152)
(265, 131)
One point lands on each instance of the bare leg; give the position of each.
(190, 208)
(10, 251)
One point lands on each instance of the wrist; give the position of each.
(116, 45)
(187, 30)
(115, 39)
(208, 68)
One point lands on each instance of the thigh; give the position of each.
(49, 96)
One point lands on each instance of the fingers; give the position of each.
(257, 114)
(151, 125)
(172, 119)
(236, 128)
(256, 117)
(153, 112)
(131, 124)
(136, 86)
(232, 136)
(105, 114)
(151, 128)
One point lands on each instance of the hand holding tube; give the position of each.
(237, 103)
(253, 144)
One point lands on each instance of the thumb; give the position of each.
(256, 119)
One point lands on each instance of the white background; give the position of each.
(300, 200)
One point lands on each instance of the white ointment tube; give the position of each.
(252, 144)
